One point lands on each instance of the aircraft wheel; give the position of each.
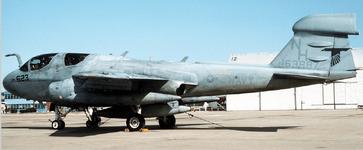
(95, 124)
(167, 122)
(62, 123)
(89, 124)
(96, 118)
(135, 122)
(57, 124)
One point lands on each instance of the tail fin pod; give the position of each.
(320, 42)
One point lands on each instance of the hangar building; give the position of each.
(346, 94)
(15, 104)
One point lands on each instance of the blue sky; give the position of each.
(164, 29)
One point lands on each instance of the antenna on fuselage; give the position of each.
(17, 56)
(124, 54)
(184, 59)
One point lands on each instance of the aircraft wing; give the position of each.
(111, 80)
(115, 75)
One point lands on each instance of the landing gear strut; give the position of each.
(167, 122)
(93, 120)
(58, 123)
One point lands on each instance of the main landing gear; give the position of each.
(167, 122)
(93, 120)
(135, 122)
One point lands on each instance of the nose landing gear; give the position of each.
(58, 123)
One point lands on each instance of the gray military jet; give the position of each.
(319, 52)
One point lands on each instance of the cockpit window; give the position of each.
(24, 67)
(74, 58)
(39, 62)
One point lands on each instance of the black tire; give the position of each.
(168, 122)
(96, 118)
(63, 124)
(89, 124)
(135, 122)
(95, 124)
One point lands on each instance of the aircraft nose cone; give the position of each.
(7, 83)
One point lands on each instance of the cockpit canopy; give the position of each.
(74, 58)
(39, 62)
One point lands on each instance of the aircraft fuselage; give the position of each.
(210, 79)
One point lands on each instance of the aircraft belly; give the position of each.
(103, 99)
(65, 92)
(277, 83)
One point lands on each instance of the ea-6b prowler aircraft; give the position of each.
(319, 52)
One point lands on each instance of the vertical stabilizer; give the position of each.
(320, 43)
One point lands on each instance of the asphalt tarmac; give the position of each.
(301, 129)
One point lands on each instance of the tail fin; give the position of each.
(320, 43)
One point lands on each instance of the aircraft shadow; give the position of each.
(246, 129)
(84, 131)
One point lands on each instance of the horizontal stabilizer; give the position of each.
(319, 49)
